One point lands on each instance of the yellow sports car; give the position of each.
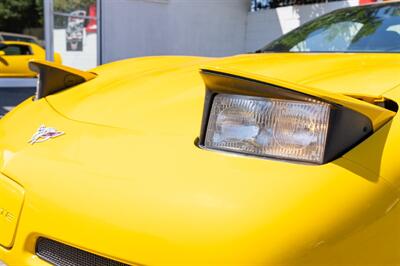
(287, 156)
(15, 56)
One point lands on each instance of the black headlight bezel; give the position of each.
(346, 129)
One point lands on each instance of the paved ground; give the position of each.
(10, 97)
(13, 91)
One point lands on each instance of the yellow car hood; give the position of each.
(139, 190)
(152, 191)
(132, 89)
(365, 74)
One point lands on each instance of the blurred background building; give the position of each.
(201, 27)
(90, 31)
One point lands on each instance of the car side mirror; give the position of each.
(2, 53)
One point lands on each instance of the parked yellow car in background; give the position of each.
(287, 156)
(15, 56)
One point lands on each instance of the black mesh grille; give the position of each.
(63, 255)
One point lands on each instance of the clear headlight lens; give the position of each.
(284, 129)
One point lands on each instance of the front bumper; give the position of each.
(256, 233)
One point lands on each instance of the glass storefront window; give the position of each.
(75, 32)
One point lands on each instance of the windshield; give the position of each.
(374, 28)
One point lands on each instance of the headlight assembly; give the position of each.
(268, 127)
(257, 118)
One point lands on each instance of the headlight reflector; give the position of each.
(285, 129)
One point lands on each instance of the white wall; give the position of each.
(266, 25)
(133, 28)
